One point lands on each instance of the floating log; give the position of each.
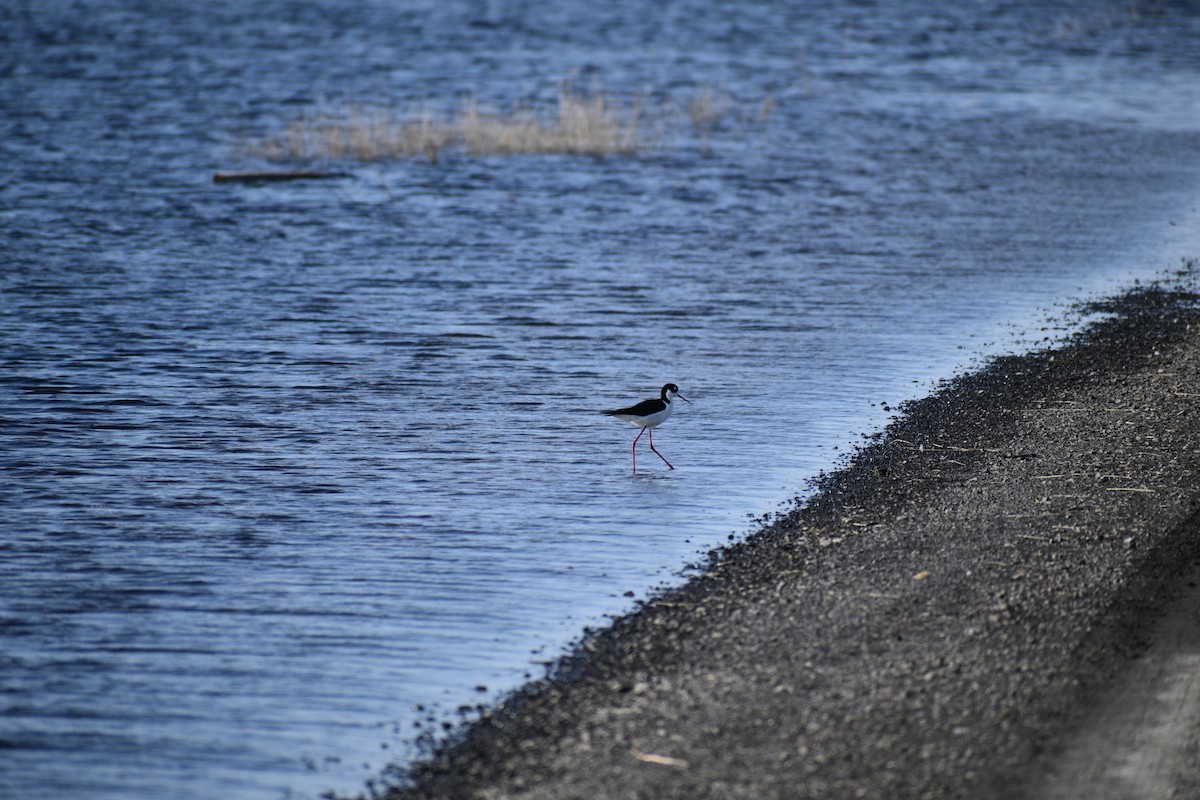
(264, 176)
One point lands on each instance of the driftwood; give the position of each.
(274, 175)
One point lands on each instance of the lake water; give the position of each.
(293, 471)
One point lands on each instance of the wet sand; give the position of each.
(994, 600)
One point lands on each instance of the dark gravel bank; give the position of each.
(938, 622)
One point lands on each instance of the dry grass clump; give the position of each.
(578, 123)
(585, 124)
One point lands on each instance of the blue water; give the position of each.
(292, 471)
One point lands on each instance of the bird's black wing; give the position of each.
(642, 409)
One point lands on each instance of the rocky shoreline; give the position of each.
(945, 618)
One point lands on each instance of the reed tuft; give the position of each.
(585, 124)
(577, 123)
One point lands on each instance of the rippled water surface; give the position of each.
(284, 464)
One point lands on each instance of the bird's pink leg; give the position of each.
(660, 455)
(643, 430)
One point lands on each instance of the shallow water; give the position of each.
(285, 462)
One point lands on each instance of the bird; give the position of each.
(648, 414)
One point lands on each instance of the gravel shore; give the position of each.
(969, 609)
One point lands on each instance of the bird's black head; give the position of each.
(671, 390)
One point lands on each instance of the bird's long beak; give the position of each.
(684, 399)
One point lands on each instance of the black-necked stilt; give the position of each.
(647, 414)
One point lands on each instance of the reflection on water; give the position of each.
(285, 462)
